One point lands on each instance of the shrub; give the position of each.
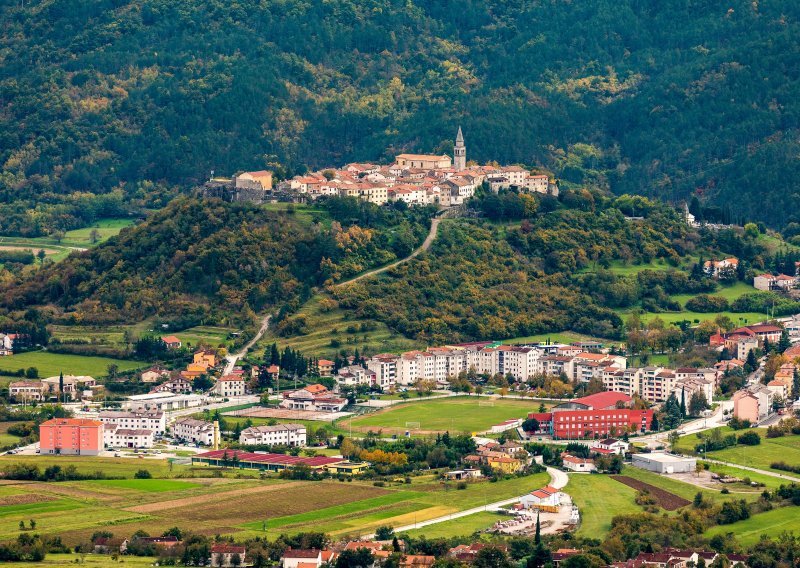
(750, 439)
(707, 304)
(143, 474)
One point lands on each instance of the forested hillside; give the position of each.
(208, 261)
(672, 98)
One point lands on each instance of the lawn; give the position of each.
(51, 364)
(454, 414)
(87, 560)
(772, 524)
(463, 526)
(730, 293)
(206, 334)
(332, 331)
(786, 448)
(738, 318)
(599, 499)
(112, 467)
(621, 268)
(306, 214)
(145, 485)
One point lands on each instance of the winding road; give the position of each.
(558, 479)
(426, 244)
(234, 357)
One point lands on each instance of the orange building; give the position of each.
(71, 436)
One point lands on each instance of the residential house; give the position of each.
(27, 391)
(753, 403)
(154, 420)
(424, 161)
(304, 399)
(548, 496)
(504, 464)
(226, 554)
(193, 430)
(582, 465)
(306, 558)
(74, 386)
(261, 179)
(725, 268)
(116, 437)
(154, 374)
(178, 385)
(172, 342)
(325, 367)
(229, 385)
(611, 445)
(355, 375)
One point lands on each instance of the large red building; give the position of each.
(594, 416)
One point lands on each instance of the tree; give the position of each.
(541, 557)
(751, 363)
(530, 425)
(143, 474)
(683, 403)
(491, 557)
(385, 532)
(697, 403)
(94, 236)
(41, 256)
(537, 538)
(360, 558)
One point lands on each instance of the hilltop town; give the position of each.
(414, 179)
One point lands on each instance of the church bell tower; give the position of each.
(459, 152)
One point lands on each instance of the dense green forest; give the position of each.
(547, 268)
(208, 261)
(140, 100)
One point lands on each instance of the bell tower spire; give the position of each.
(459, 152)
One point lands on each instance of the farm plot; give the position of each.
(51, 364)
(665, 499)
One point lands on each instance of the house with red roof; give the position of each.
(581, 465)
(172, 342)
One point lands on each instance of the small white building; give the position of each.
(619, 447)
(547, 496)
(154, 420)
(162, 401)
(117, 437)
(193, 430)
(581, 465)
(278, 435)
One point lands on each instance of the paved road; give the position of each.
(558, 479)
(233, 358)
(422, 248)
(699, 425)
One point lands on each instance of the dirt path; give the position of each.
(426, 244)
(233, 358)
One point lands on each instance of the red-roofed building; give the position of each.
(599, 401)
(172, 342)
(264, 461)
(578, 424)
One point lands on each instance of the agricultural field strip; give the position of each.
(356, 507)
(209, 497)
(770, 523)
(665, 499)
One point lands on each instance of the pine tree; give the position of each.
(767, 346)
(784, 342)
(537, 539)
(683, 403)
(751, 364)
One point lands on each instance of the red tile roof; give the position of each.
(603, 399)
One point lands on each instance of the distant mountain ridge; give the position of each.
(672, 98)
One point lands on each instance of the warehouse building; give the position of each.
(664, 463)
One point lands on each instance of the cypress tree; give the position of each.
(537, 539)
(683, 403)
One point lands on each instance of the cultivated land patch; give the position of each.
(463, 526)
(599, 499)
(147, 485)
(454, 414)
(665, 499)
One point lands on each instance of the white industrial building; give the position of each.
(162, 401)
(664, 463)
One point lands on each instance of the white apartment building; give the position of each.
(229, 385)
(521, 362)
(354, 375)
(538, 183)
(193, 430)
(117, 437)
(154, 420)
(280, 434)
(385, 368)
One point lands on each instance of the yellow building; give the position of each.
(206, 358)
(348, 468)
(255, 180)
(423, 161)
(506, 465)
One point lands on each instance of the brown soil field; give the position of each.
(666, 500)
(24, 499)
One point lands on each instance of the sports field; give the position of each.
(51, 364)
(772, 523)
(454, 414)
